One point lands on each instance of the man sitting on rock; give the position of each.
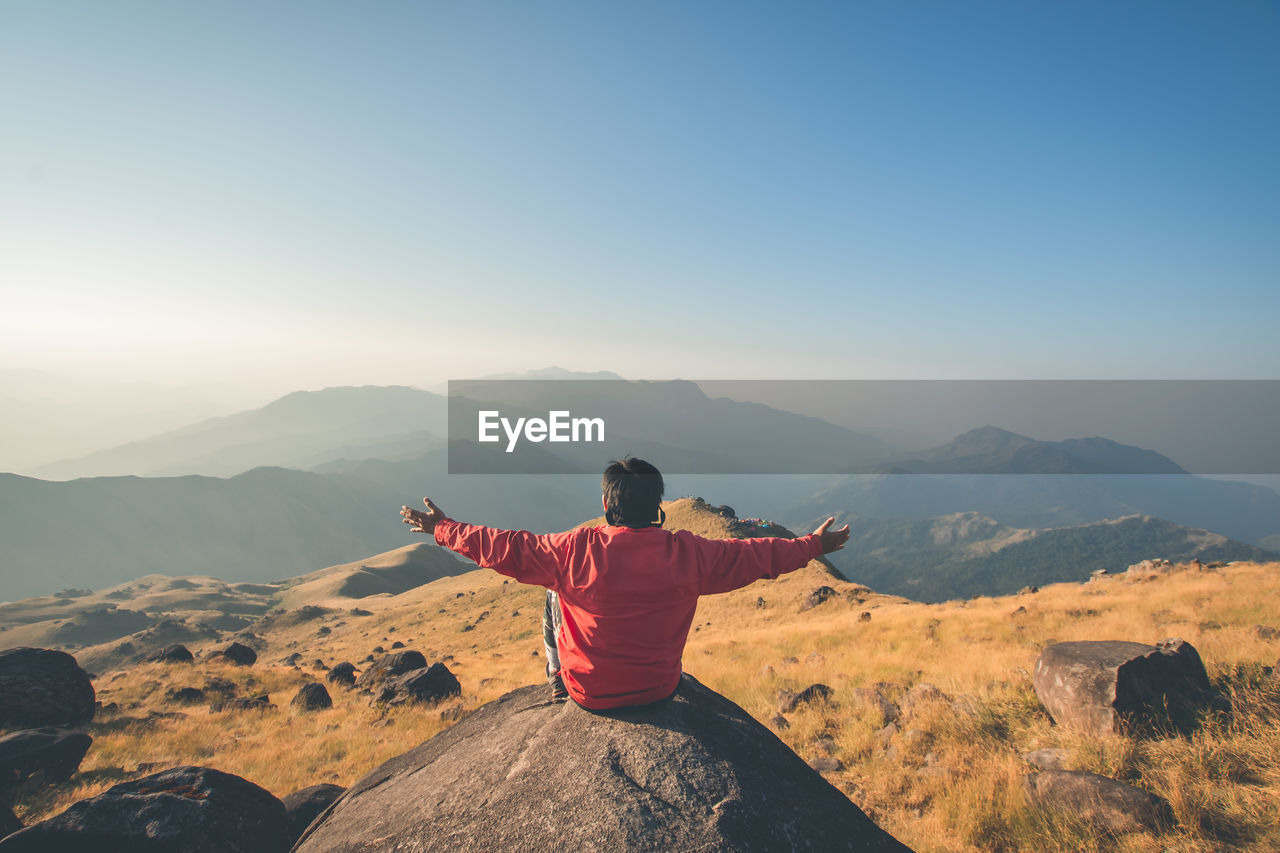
(627, 590)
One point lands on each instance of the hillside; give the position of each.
(948, 781)
(967, 553)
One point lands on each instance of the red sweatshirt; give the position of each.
(628, 594)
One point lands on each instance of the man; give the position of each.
(627, 589)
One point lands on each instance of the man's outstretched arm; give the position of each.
(519, 554)
(727, 564)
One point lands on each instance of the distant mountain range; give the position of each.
(368, 450)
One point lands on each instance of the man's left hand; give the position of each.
(423, 522)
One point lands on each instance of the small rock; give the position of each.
(1264, 632)
(826, 764)
(176, 653)
(779, 722)
(243, 703)
(789, 701)
(818, 596)
(1046, 759)
(760, 602)
(815, 659)
(184, 695)
(1109, 806)
(237, 653)
(312, 697)
(864, 616)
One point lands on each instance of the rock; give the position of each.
(1113, 686)
(237, 653)
(1046, 759)
(342, 673)
(760, 602)
(1109, 806)
(864, 616)
(184, 695)
(390, 666)
(788, 700)
(429, 684)
(397, 645)
(53, 752)
(520, 773)
(780, 722)
(922, 694)
(818, 596)
(885, 736)
(302, 807)
(815, 659)
(243, 703)
(312, 697)
(826, 764)
(1148, 567)
(43, 687)
(872, 699)
(222, 686)
(187, 809)
(175, 653)
(1265, 632)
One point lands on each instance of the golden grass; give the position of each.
(949, 780)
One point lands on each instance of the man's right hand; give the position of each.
(423, 522)
(832, 540)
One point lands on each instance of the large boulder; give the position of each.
(174, 653)
(1106, 805)
(43, 687)
(429, 684)
(1114, 686)
(55, 753)
(342, 673)
(183, 810)
(695, 772)
(390, 666)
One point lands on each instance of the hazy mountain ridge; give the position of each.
(991, 450)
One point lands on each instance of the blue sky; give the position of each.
(292, 195)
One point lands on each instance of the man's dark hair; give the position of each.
(632, 493)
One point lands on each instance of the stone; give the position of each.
(237, 653)
(312, 697)
(1265, 632)
(174, 653)
(184, 695)
(871, 699)
(864, 616)
(1115, 687)
(1107, 805)
(818, 596)
(1046, 759)
(243, 703)
(780, 722)
(43, 687)
(54, 753)
(342, 673)
(919, 696)
(389, 667)
(789, 701)
(302, 807)
(694, 772)
(181, 810)
(826, 764)
(428, 684)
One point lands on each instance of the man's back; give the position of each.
(628, 594)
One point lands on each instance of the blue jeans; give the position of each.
(551, 618)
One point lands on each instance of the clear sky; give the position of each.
(298, 194)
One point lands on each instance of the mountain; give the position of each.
(964, 554)
(299, 430)
(990, 450)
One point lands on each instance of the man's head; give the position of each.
(632, 493)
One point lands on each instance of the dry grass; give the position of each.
(949, 780)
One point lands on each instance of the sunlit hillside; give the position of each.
(947, 779)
